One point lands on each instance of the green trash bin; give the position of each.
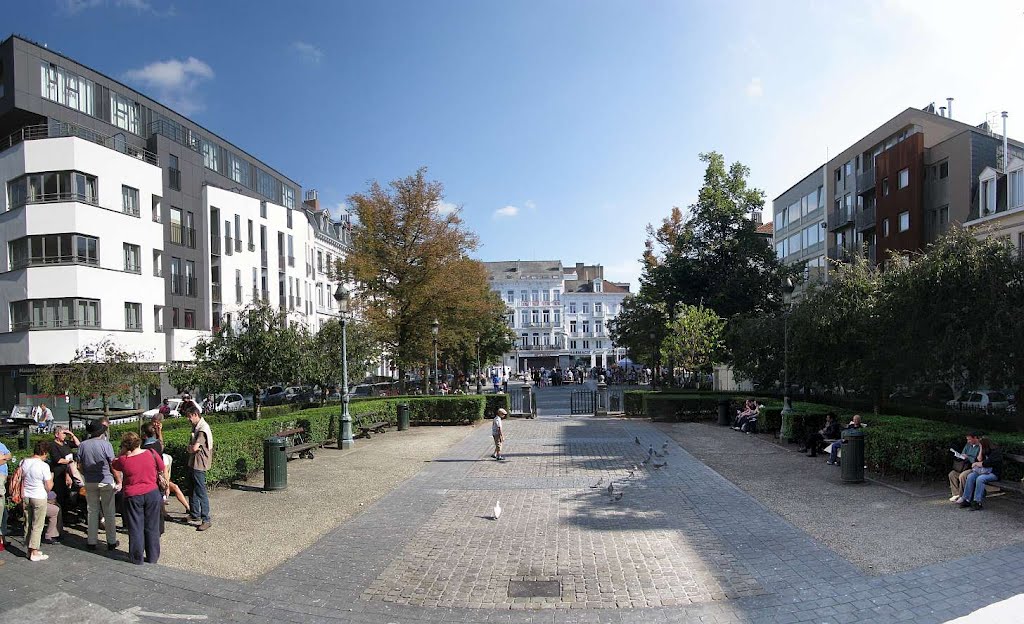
(853, 456)
(275, 463)
(403, 416)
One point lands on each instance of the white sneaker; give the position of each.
(38, 556)
(954, 499)
(959, 499)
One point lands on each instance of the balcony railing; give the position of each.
(266, 295)
(215, 243)
(255, 293)
(52, 198)
(216, 293)
(229, 245)
(182, 235)
(158, 327)
(866, 180)
(263, 258)
(291, 261)
(280, 263)
(182, 285)
(133, 268)
(56, 129)
(841, 254)
(252, 246)
(21, 263)
(157, 271)
(238, 294)
(54, 324)
(866, 219)
(838, 219)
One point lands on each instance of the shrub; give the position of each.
(446, 409)
(494, 401)
(680, 407)
(633, 403)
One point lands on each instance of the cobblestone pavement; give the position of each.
(681, 545)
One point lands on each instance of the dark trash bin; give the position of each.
(724, 417)
(853, 456)
(403, 416)
(275, 463)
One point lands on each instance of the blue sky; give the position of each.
(560, 128)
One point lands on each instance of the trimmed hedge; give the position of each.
(452, 409)
(633, 403)
(495, 401)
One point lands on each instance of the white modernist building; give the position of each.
(559, 314)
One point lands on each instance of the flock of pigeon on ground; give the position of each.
(615, 495)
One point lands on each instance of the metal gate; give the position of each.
(615, 401)
(516, 402)
(582, 402)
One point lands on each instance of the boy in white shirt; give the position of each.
(498, 433)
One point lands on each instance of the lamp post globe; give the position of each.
(345, 440)
(435, 327)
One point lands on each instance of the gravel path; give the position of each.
(254, 531)
(878, 529)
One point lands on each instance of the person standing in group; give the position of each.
(200, 458)
(498, 433)
(36, 485)
(62, 463)
(143, 502)
(5, 456)
(95, 457)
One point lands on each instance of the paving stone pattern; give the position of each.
(428, 552)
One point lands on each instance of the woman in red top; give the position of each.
(143, 501)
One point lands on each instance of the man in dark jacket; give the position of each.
(829, 432)
(986, 470)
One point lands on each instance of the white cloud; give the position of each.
(309, 52)
(176, 83)
(73, 7)
(754, 88)
(445, 208)
(507, 211)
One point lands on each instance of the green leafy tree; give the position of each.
(258, 351)
(695, 338)
(410, 264)
(755, 343)
(320, 363)
(103, 370)
(637, 320)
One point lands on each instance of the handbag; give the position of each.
(161, 479)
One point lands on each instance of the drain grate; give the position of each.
(534, 589)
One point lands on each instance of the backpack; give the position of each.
(15, 484)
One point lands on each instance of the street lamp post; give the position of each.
(435, 327)
(787, 404)
(478, 364)
(654, 374)
(345, 440)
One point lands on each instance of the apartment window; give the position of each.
(780, 249)
(536, 340)
(157, 217)
(54, 313)
(54, 249)
(839, 175)
(546, 296)
(885, 187)
(130, 200)
(51, 187)
(190, 319)
(1015, 185)
(319, 262)
(572, 327)
(943, 215)
(209, 155)
(849, 169)
(585, 327)
(597, 307)
(191, 289)
(821, 197)
(557, 296)
(175, 321)
(534, 316)
(988, 197)
(885, 227)
(848, 201)
(238, 170)
(536, 297)
(944, 170)
(132, 258)
(124, 113)
(904, 222)
(288, 197)
(599, 344)
(177, 288)
(173, 172)
(238, 286)
(524, 317)
(291, 251)
(598, 327)
(526, 340)
(510, 296)
(558, 317)
(64, 87)
(572, 307)
(289, 218)
(586, 344)
(546, 316)
(780, 219)
(586, 308)
(572, 344)
(904, 178)
(133, 316)
(263, 209)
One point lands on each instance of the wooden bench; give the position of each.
(298, 444)
(1000, 487)
(376, 427)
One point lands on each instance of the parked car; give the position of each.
(979, 399)
(172, 402)
(231, 402)
(274, 395)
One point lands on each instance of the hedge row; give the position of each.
(495, 401)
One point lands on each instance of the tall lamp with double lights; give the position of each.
(787, 404)
(345, 440)
(435, 327)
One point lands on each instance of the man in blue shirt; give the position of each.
(94, 457)
(5, 456)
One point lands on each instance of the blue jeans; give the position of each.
(974, 489)
(199, 502)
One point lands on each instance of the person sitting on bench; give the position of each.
(987, 469)
(814, 440)
(743, 416)
(833, 454)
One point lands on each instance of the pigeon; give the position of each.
(497, 510)
(617, 497)
(611, 489)
(650, 450)
(598, 484)
(661, 465)
(631, 473)
(657, 454)
(636, 439)
(664, 446)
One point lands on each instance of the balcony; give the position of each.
(229, 245)
(21, 263)
(184, 236)
(841, 254)
(56, 130)
(838, 219)
(252, 246)
(55, 324)
(866, 219)
(866, 181)
(133, 267)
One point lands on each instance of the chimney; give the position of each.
(312, 200)
(1006, 145)
(949, 107)
(942, 111)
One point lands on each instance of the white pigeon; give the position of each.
(497, 510)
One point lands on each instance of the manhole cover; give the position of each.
(534, 589)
